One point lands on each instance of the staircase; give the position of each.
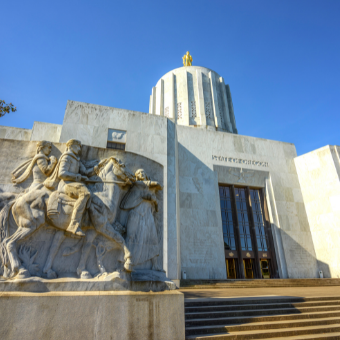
(257, 283)
(263, 318)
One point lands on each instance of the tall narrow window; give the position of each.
(243, 221)
(246, 233)
(261, 239)
(227, 219)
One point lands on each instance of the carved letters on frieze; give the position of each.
(239, 161)
(79, 202)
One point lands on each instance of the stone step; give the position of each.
(256, 283)
(265, 299)
(225, 286)
(252, 312)
(261, 326)
(269, 333)
(262, 305)
(328, 336)
(259, 318)
(263, 282)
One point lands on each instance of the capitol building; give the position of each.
(232, 206)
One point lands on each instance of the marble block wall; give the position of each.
(202, 253)
(46, 131)
(87, 315)
(9, 132)
(202, 246)
(319, 175)
(40, 131)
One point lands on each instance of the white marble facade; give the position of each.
(194, 153)
(319, 176)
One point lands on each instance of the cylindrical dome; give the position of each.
(194, 96)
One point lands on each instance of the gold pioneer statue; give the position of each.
(187, 59)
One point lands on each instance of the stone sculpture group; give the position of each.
(79, 200)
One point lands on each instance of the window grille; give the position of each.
(261, 238)
(246, 229)
(243, 219)
(208, 111)
(179, 111)
(193, 109)
(116, 146)
(227, 219)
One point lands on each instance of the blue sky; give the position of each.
(281, 59)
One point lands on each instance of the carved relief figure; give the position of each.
(142, 238)
(24, 215)
(101, 220)
(68, 174)
(81, 202)
(40, 165)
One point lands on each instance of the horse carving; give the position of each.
(25, 213)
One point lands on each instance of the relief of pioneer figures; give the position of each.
(68, 176)
(142, 238)
(81, 201)
(41, 166)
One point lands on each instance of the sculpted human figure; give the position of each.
(40, 165)
(187, 59)
(142, 238)
(68, 175)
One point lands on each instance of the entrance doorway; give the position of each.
(247, 233)
(265, 265)
(248, 268)
(231, 268)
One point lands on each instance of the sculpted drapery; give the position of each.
(40, 165)
(142, 238)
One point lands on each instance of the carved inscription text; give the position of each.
(240, 161)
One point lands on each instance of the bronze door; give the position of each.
(231, 265)
(248, 268)
(265, 265)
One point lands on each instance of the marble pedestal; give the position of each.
(40, 285)
(92, 315)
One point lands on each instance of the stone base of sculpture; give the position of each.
(143, 281)
(92, 315)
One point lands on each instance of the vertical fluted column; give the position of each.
(182, 98)
(160, 98)
(186, 111)
(231, 109)
(225, 102)
(216, 107)
(200, 106)
(153, 101)
(150, 104)
(172, 108)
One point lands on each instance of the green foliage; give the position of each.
(6, 108)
